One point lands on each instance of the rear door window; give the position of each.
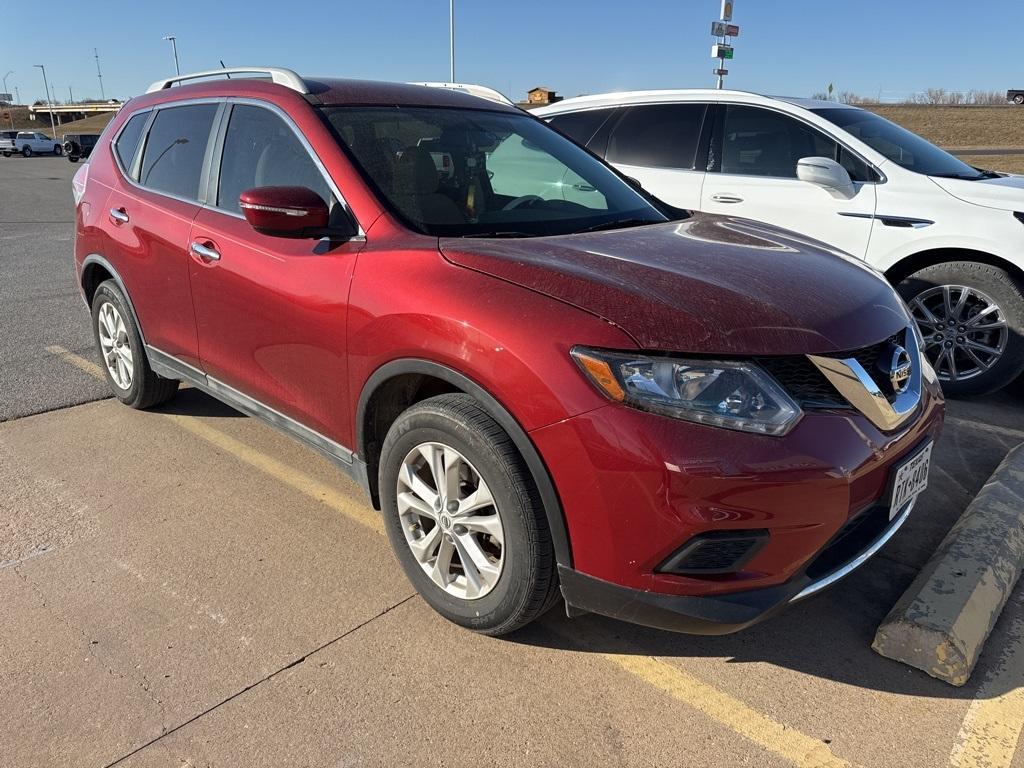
(657, 136)
(128, 140)
(172, 161)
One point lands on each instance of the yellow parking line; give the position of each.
(79, 362)
(291, 477)
(994, 722)
(792, 745)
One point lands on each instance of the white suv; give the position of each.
(950, 237)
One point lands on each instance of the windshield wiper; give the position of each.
(618, 224)
(501, 233)
(964, 176)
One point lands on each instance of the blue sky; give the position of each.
(793, 47)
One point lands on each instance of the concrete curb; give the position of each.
(941, 622)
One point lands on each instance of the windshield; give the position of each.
(899, 145)
(466, 173)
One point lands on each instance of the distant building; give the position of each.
(539, 97)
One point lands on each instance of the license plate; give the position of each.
(911, 477)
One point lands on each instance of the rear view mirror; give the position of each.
(827, 173)
(284, 211)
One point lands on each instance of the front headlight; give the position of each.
(720, 393)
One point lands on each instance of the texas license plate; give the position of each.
(911, 478)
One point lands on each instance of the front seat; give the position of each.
(415, 184)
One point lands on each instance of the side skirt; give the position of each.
(171, 367)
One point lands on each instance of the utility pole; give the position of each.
(451, 36)
(96, 55)
(10, 115)
(71, 96)
(17, 95)
(174, 47)
(49, 102)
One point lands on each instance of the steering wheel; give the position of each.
(511, 205)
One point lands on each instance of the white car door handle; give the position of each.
(725, 198)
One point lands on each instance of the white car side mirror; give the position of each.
(826, 172)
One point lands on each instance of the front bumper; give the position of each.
(714, 614)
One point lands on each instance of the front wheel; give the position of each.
(57, 150)
(7, 154)
(120, 346)
(1018, 99)
(72, 158)
(971, 316)
(464, 516)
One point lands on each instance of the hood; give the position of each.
(708, 285)
(1005, 193)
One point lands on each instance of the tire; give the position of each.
(1000, 329)
(142, 388)
(1018, 99)
(72, 158)
(7, 154)
(26, 151)
(527, 584)
(58, 150)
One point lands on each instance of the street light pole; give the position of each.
(49, 101)
(174, 47)
(451, 36)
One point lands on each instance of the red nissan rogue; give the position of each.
(549, 383)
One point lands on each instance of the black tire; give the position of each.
(58, 150)
(1005, 291)
(26, 151)
(1018, 99)
(7, 154)
(146, 388)
(528, 584)
(72, 158)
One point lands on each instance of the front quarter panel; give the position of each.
(408, 302)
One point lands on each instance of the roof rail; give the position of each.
(481, 91)
(285, 77)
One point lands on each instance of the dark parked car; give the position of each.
(685, 423)
(79, 145)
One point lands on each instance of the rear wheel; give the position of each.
(464, 516)
(7, 154)
(26, 151)
(971, 316)
(1018, 99)
(124, 358)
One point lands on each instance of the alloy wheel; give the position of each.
(451, 521)
(964, 330)
(115, 346)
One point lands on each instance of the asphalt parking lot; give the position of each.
(188, 587)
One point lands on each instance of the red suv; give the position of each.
(549, 383)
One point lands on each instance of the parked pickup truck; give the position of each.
(79, 145)
(29, 143)
(1017, 97)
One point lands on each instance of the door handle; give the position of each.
(724, 198)
(119, 215)
(205, 252)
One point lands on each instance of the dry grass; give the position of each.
(22, 122)
(1004, 163)
(959, 126)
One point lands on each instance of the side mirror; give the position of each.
(826, 172)
(284, 211)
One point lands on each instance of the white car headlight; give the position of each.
(731, 394)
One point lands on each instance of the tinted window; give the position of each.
(260, 150)
(898, 144)
(172, 161)
(128, 140)
(760, 142)
(580, 126)
(657, 136)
